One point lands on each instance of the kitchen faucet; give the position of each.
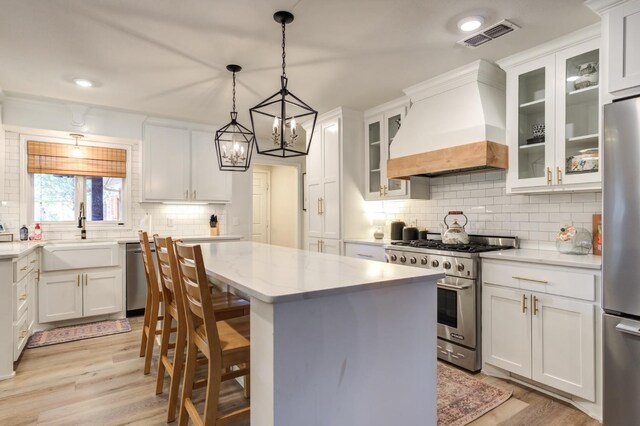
(82, 222)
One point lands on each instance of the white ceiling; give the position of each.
(168, 57)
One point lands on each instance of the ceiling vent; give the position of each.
(493, 32)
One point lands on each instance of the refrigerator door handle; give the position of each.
(628, 328)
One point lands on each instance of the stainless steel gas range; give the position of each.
(459, 292)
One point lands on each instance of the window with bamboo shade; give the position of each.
(59, 159)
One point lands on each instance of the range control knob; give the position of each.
(394, 257)
(403, 259)
(424, 260)
(435, 263)
(460, 267)
(447, 264)
(413, 260)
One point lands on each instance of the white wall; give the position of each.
(535, 219)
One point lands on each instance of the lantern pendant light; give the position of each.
(234, 142)
(276, 120)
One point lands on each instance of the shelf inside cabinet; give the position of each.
(532, 107)
(588, 94)
(584, 139)
(374, 143)
(375, 170)
(533, 146)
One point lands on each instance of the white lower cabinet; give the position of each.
(81, 293)
(506, 330)
(563, 350)
(544, 337)
(324, 245)
(365, 251)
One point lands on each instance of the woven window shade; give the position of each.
(58, 159)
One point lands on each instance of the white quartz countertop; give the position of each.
(367, 241)
(276, 274)
(548, 257)
(17, 249)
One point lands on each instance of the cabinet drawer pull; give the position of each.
(384, 192)
(24, 268)
(381, 191)
(194, 195)
(548, 176)
(524, 303)
(34, 261)
(559, 175)
(78, 280)
(368, 256)
(533, 280)
(535, 305)
(23, 296)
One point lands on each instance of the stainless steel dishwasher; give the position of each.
(136, 280)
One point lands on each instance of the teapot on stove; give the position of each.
(454, 233)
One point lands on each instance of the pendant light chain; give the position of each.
(284, 53)
(234, 91)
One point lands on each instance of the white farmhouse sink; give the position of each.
(79, 255)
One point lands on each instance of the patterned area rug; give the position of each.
(463, 398)
(78, 332)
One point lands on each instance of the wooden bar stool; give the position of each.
(225, 344)
(225, 306)
(152, 305)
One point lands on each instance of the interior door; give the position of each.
(330, 204)
(563, 344)
(208, 183)
(166, 163)
(506, 329)
(261, 206)
(102, 292)
(59, 297)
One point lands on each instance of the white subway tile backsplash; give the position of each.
(535, 219)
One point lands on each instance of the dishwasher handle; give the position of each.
(625, 327)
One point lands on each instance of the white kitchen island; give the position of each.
(334, 340)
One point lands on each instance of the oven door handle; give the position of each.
(442, 283)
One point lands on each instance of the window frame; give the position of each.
(26, 191)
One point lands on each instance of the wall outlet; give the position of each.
(170, 222)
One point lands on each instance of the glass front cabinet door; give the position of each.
(380, 130)
(530, 122)
(553, 121)
(578, 112)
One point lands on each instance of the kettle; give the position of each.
(455, 233)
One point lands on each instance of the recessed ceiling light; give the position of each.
(573, 78)
(83, 82)
(470, 23)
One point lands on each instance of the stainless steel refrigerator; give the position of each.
(621, 263)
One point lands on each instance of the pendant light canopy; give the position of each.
(234, 142)
(276, 120)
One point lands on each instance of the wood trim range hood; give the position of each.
(461, 158)
(456, 124)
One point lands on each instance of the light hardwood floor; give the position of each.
(100, 382)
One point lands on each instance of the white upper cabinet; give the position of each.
(622, 32)
(553, 116)
(181, 165)
(208, 183)
(165, 163)
(379, 130)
